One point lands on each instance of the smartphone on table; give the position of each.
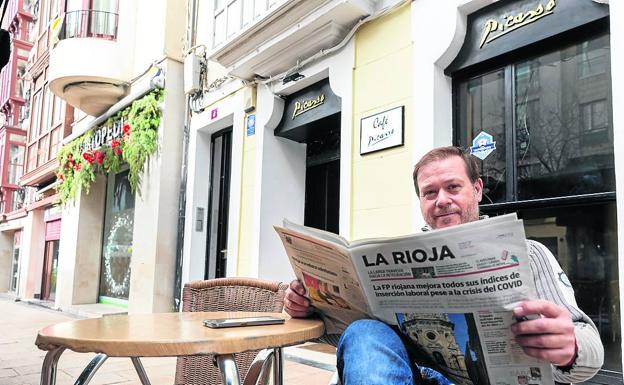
(244, 321)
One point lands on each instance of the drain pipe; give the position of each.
(190, 39)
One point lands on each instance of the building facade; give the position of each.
(120, 165)
(14, 98)
(103, 148)
(119, 229)
(286, 96)
(49, 121)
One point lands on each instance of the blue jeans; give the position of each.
(372, 353)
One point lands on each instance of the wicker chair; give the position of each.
(225, 294)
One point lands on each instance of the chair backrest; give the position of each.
(225, 294)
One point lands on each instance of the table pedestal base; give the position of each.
(259, 369)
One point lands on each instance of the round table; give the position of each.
(170, 334)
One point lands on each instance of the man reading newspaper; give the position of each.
(553, 329)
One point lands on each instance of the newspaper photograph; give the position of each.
(450, 291)
(326, 270)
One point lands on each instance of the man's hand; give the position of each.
(295, 303)
(550, 337)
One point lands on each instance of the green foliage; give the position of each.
(78, 168)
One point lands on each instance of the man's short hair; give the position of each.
(441, 153)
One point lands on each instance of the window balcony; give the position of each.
(90, 65)
(90, 24)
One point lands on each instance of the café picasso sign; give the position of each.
(103, 135)
(302, 106)
(308, 112)
(381, 131)
(493, 29)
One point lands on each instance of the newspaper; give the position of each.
(450, 291)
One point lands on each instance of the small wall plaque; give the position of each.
(381, 131)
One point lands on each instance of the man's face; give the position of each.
(447, 197)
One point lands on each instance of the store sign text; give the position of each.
(307, 105)
(494, 29)
(103, 136)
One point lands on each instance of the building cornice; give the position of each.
(295, 31)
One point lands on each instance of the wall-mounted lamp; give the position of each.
(293, 77)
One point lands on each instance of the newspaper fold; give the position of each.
(451, 291)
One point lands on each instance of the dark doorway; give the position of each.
(322, 195)
(218, 203)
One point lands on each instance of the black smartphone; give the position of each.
(245, 321)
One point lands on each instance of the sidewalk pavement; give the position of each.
(20, 359)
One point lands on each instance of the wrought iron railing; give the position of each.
(90, 23)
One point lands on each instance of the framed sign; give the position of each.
(381, 131)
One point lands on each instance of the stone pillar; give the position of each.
(156, 208)
(80, 248)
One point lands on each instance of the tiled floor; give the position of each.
(20, 360)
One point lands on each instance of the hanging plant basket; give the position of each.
(130, 136)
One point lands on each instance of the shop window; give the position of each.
(484, 109)
(527, 73)
(583, 238)
(117, 240)
(561, 128)
(554, 165)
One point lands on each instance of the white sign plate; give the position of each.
(381, 131)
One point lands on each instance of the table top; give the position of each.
(174, 334)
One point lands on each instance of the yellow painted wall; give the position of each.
(247, 231)
(247, 173)
(382, 201)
